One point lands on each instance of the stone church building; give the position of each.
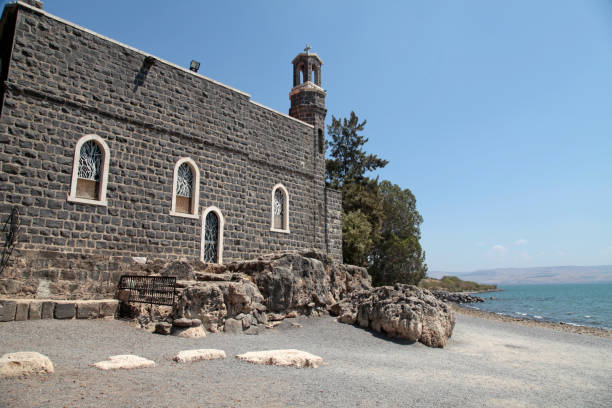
(106, 150)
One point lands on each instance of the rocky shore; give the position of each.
(456, 297)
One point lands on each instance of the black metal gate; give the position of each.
(154, 290)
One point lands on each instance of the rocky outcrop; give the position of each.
(215, 301)
(304, 282)
(456, 297)
(246, 296)
(400, 311)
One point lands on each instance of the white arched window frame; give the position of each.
(285, 228)
(221, 219)
(72, 196)
(195, 189)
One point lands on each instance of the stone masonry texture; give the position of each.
(61, 82)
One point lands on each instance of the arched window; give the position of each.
(89, 171)
(280, 209)
(211, 250)
(185, 189)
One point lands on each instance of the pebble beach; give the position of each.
(569, 328)
(488, 362)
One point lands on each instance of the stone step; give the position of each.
(35, 309)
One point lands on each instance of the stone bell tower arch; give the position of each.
(307, 96)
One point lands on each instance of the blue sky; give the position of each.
(496, 114)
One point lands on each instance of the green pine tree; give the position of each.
(381, 225)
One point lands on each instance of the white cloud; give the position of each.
(500, 249)
(561, 252)
(520, 241)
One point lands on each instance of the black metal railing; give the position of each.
(154, 290)
(10, 232)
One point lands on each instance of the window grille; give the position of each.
(184, 181)
(10, 231)
(211, 238)
(279, 209)
(90, 161)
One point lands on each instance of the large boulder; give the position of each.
(196, 332)
(400, 311)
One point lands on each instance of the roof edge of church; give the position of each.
(281, 113)
(146, 54)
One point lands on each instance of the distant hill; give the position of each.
(454, 284)
(544, 274)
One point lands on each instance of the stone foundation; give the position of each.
(248, 293)
(34, 274)
(36, 309)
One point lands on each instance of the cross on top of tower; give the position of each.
(308, 48)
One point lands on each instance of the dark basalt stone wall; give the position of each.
(64, 82)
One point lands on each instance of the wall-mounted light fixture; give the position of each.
(194, 65)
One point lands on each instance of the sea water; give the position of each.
(578, 304)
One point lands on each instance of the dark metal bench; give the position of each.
(154, 290)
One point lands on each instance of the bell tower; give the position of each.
(307, 97)
(308, 105)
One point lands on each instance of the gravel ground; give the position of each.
(487, 363)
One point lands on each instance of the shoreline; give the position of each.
(475, 292)
(568, 328)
